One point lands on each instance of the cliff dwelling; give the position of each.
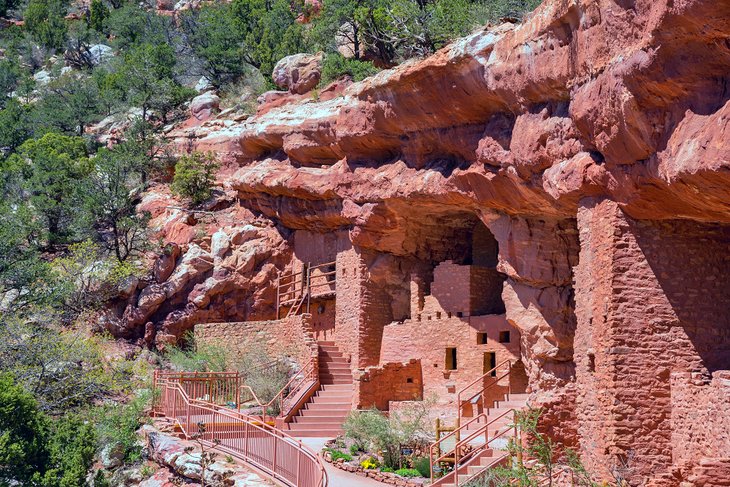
(522, 220)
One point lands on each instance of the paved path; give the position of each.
(337, 477)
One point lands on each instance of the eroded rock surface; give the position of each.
(590, 111)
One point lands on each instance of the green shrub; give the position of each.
(336, 65)
(354, 449)
(194, 177)
(118, 424)
(24, 434)
(337, 454)
(387, 470)
(408, 472)
(373, 431)
(34, 450)
(71, 445)
(423, 465)
(197, 356)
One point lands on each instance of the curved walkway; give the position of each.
(337, 477)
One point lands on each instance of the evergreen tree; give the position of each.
(54, 166)
(44, 19)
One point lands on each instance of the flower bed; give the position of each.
(375, 473)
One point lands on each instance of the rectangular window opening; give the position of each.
(481, 338)
(459, 314)
(438, 315)
(504, 336)
(451, 358)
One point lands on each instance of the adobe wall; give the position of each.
(651, 306)
(291, 337)
(378, 386)
(428, 339)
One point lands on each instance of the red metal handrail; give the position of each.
(269, 449)
(213, 387)
(455, 452)
(293, 388)
(481, 391)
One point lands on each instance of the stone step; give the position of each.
(334, 368)
(333, 362)
(315, 433)
(323, 423)
(344, 395)
(332, 353)
(333, 402)
(325, 413)
(338, 387)
(336, 375)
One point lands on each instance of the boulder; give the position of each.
(112, 455)
(204, 106)
(298, 73)
(203, 85)
(99, 53)
(42, 77)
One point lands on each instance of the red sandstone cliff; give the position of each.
(591, 140)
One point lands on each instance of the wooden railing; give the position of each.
(464, 450)
(462, 397)
(221, 388)
(296, 289)
(285, 403)
(274, 452)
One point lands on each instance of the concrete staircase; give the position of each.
(492, 452)
(323, 415)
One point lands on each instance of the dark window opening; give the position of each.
(438, 315)
(490, 362)
(459, 314)
(591, 362)
(481, 338)
(409, 380)
(504, 337)
(451, 359)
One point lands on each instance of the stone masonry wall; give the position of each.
(428, 339)
(291, 337)
(378, 386)
(649, 303)
(350, 288)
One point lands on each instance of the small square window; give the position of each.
(438, 315)
(448, 315)
(481, 338)
(504, 337)
(459, 314)
(409, 380)
(451, 359)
